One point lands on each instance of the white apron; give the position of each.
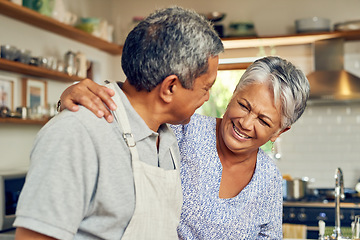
(158, 194)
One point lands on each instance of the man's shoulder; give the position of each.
(75, 123)
(83, 115)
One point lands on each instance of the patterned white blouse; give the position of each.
(255, 213)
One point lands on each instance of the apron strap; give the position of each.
(122, 118)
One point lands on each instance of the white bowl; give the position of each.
(314, 24)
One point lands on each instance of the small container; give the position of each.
(23, 111)
(314, 24)
(241, 29)
(24, 56)
(357, 187)
(80, 64)
(9, 52)
(70, 63)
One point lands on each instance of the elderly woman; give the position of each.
(231, 188)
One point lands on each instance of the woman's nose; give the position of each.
(247, 122)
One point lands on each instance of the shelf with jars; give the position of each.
(34, 18)
(18, 67)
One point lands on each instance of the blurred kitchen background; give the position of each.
(326, 137)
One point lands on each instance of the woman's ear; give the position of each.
(168, 87)
(273, 138)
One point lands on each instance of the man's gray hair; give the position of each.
(170, 41)
(289, 84)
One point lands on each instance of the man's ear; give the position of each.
(168, 87)
(273, 138)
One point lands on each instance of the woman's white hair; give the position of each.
(289, 84)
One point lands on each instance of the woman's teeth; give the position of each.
(241, 135)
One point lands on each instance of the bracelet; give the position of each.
(58, 105)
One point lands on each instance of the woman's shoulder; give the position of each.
(267, 166)
(198, 124)
(198, 121)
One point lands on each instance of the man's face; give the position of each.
(188, 100)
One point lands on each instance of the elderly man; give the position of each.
(93, 180)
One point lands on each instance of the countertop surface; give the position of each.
(320, 204)
(7, 235)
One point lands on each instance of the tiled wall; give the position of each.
(324, 138)
(327, 136)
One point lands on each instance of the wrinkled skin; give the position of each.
(91, 95)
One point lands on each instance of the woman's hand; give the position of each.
(92, 96)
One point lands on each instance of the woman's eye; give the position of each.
(243, 106)
(264, 122)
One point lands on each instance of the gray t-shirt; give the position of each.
(80, 183)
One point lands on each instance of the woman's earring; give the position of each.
(272, 146)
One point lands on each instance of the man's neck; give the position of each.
(144, 104)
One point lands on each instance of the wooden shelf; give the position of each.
(24, 121)
(34, 18)
(31, 17)
(288, 40)
(22, 68)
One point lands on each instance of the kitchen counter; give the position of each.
(7, 235)
(320, 204)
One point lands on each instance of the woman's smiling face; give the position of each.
(251, 119)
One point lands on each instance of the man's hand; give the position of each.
(92, 96)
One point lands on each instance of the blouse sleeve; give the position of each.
(273, 230)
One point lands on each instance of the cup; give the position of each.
(23, 111)
(70, 18)
(355, 226)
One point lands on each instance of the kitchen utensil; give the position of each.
(88, 25)
(294, 189)
(70, 63)
(44, 7)
(24, 112)
(70, 18)
(314, 24)
(241, 29)
(35, 61)
(9, 52)
(355, 226)
(215, 16)
(80, 64)
(321, 230)
(347, 26)
(19, 2)
(24, 56)
(4, 112)
(59, 11)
